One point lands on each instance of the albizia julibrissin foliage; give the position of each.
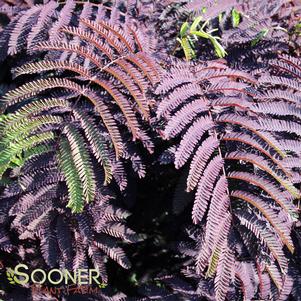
(242, 153)
(96, 86)
(68, 130)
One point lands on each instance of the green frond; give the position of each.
(188, 33)
(235, 17)
(32, 88)
(82, 162)
(25, 126)
(66, 164)
(13, 153)
(184, 29)
(196, 23)
(17, 143)
(219, 49)
(213, 261)
(187, 46)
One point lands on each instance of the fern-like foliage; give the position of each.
(75, 120)
(43, 20)
(107, 71)
(77, 115)
(37, 204)
(237, 155)
(10, 8)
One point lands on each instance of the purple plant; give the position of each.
(95, 91)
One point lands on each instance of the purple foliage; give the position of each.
(98, 94)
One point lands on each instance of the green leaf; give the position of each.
(213, 263)
(220, 17)
(12, 152)
(186, 44)
(205, 24)
(82, 162)
(235, 17)
(23, 127)
(184, 29)
(219, 49)
(66, 164)
(18, 160)
(196, 23)
(201, 34)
